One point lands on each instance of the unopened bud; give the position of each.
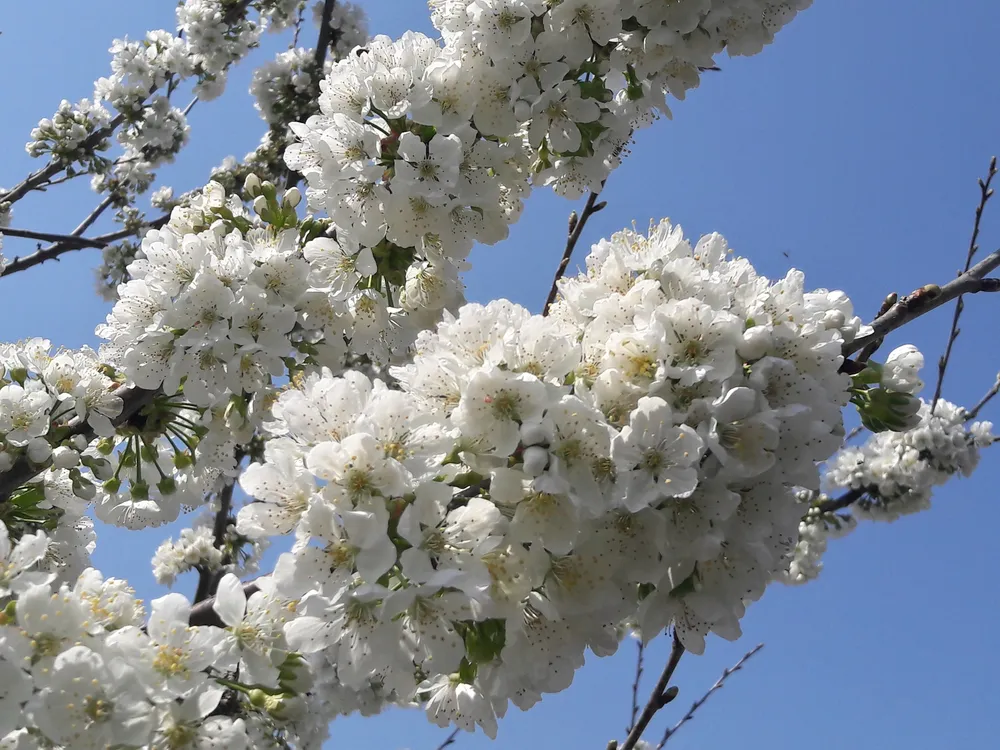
(39, 450)
(535, 460)
(251, 186)
(292, 198)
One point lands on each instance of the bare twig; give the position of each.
(52, 252)
(985, 193)
(635, 686)
(929, 298)
(68, 239)
(661, 696)
(576, 225)
(449, 740)
(700, 702)
(854, 433)
(990, 395)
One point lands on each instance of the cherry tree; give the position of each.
(475, 496)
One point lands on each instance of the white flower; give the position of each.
(495, 405)
(87, 702)
(24, 412)
(18, 562)
(451, 701)
(655, 459)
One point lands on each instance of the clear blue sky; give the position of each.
(853, 144)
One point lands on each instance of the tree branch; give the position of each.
(449, 740)
(23, 470)
(661, 696)
(52, 252)
(929, 298)
(575, 230)
(208, 580)
(72, 241)
(203, 614)
(985, 193)
(325, 35)
(990, 394)
(635, 686)
(839, 503)
(701, 701)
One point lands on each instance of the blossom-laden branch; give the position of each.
(663, 693)
(985, 193)
(66, 239)
(576, 226)
(701, 701)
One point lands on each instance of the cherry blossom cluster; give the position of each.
(897, 471)
(892, 474)
(197, 549)
(224, 301)
(82, 667)
(537, 481)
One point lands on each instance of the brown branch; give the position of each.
(208, 580)
(661, 696)
(929, 298)
(990, 394)
(701, 701)
(325, 35)
(985, 193)
(635, 686)
(23, 470)
(839, 503)
(202, 613)
(67, 239)
(575, 230)
(52, 252)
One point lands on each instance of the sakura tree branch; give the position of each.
(929, 298)
(326, 35)
(635, 687)
(576, 226)
(55, 250)
(839, 503)
(202, 613)
(661, 696)
(985, 193)
(701, 701)
(990, 395)
(66, 239)
(208, 580)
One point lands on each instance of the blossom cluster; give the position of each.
(424, 148)
(197, 549)
(82, 667)
(891, 475)
(536, 481)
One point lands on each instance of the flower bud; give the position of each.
(292, 198)
(65, 458)
(260, 205)
(535, 460)
(39, 450)
(532, 433)
(251, 186)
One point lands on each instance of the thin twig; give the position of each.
(576, 226)
(661, 696)
(854, 433)
(701, 701)
(990, 394)
(52, 252)
(635, 686)
(75, 242)
(985, 193)
(449, 740)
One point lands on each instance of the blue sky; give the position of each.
(853, 145)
